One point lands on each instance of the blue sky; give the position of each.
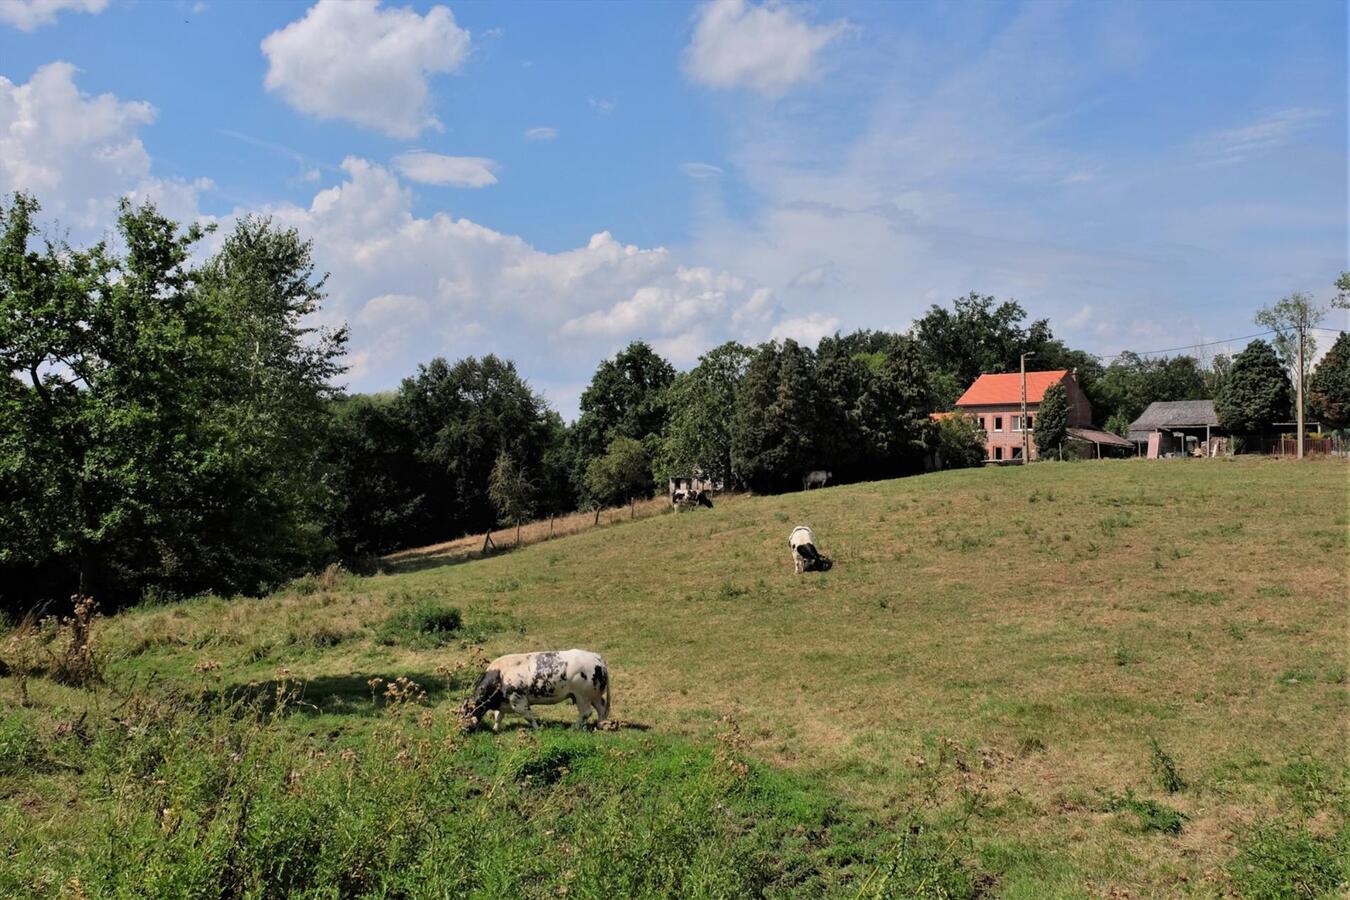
(549, 181)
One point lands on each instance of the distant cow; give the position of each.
(690, 499)
(815, 478)
(805, 556)
(520, 679)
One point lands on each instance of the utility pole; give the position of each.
(1302, 326)
(1026, 437)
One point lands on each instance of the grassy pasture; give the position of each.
(1074, 680)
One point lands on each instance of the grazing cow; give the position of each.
(805, 556)
(690, 499)
(520, 679)
(815, 478)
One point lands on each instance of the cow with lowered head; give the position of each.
(516, 681)
(805, 556)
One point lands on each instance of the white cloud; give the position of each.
(79, 154)
(601, 105)
(353, 61)
(766, 48)
(415, 287)
(701, 170)
(30, 15)
(542, 133)
(458, 171)
(806, 330)
(1274, 131)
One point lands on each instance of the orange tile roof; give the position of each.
(940, 416)
(1007, 388)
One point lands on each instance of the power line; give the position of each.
(1196, 346)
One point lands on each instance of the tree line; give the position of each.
(171, 426)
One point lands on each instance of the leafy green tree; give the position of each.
(1292, 314)
(961, 442)
(1131, 383)
(1052, 421)
(1119, 423)
(512, 493)
(1257, 392)
(462, 417)
(627, 397)
(775, 427)
(873, 420)
(702, 404)
(166, 431)
(1342, 299)
(979, 335)
(1329, 386)
(380, 500)
(623, 473)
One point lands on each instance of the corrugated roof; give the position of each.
(1176, 414)
(1096, 436)
(1007, 388)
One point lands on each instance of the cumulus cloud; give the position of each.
(542, 133)
(458, 171)
(766, 48)
(415, 287)
(30, 15)
(353, 61)
(78, 154)
(806, 330)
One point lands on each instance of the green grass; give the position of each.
(1060, 681)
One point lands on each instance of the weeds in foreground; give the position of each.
(1165, 767)
(1277, 860)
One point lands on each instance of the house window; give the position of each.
(998, 423)
(1016, 423)
(998, 451)
(1031, 423)
(1017, 453)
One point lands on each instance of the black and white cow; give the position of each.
(815, 478)
(516, 681)
(690, 499)
(805, 556)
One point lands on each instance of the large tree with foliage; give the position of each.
(701, 404)
(1052, 421)
(1293, 314)
(627, 397)
(1131, 383)
(1329, 386)
(775, 427)
(379, 486)
(978, 334)
(512, 493)
(1256, 393)
(462, 417)
(873, 397)
(160, 423)
(960, 442)
(622, 474)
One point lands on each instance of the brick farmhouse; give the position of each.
(995, 401)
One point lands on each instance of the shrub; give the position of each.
(1150, 815)
(428, 623)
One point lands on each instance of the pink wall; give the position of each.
(1007, 440)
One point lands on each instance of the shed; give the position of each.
(1177, 424)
